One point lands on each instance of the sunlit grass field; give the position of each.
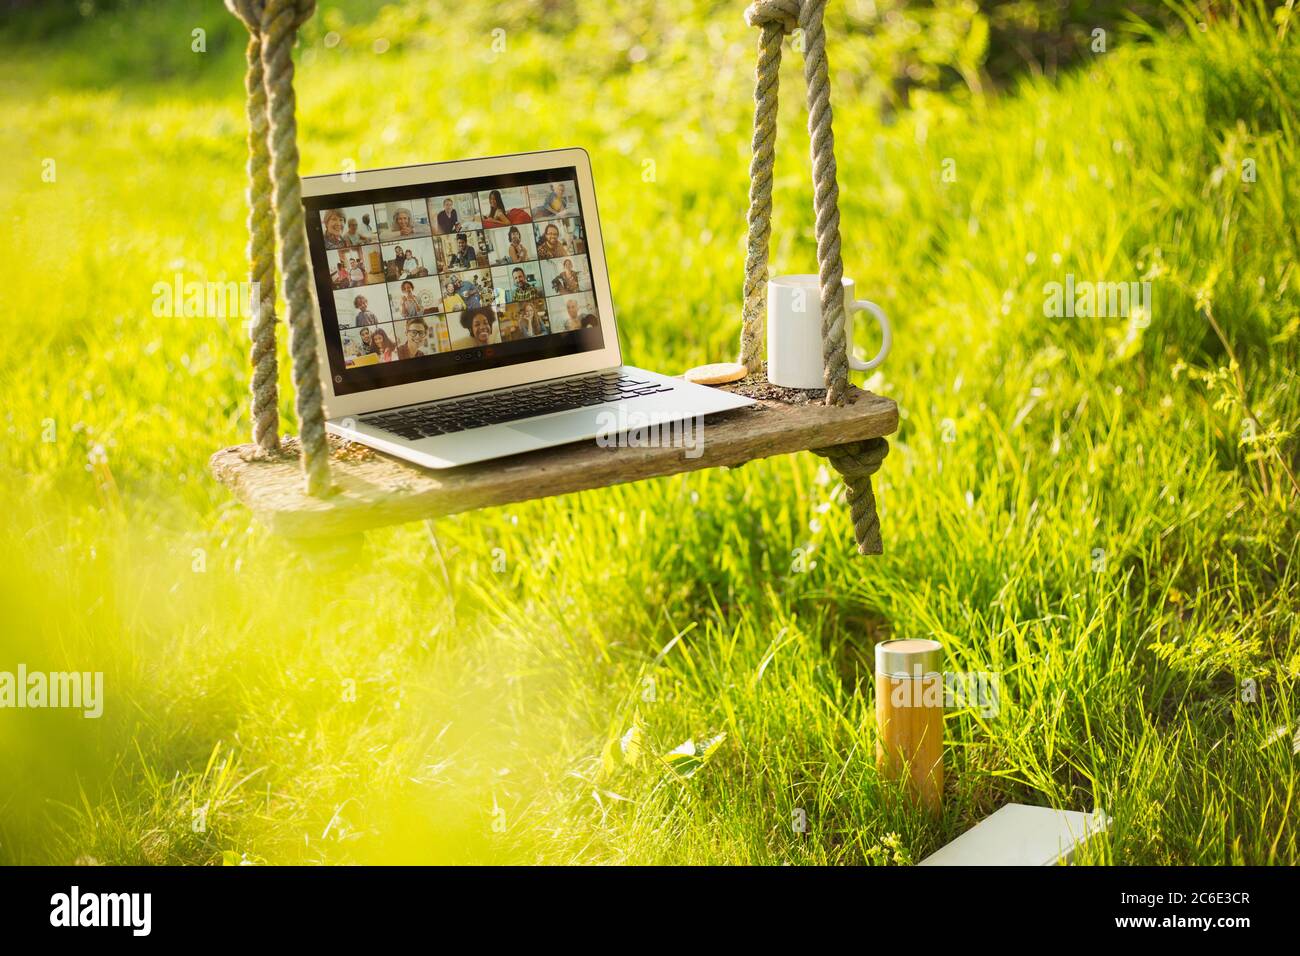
(1101, 510)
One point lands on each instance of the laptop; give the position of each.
(465, 312)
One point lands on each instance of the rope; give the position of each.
(261, 262)
(857, 462)
(776, 18)
(766, 84)
(273, 28)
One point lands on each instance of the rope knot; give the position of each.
(774, 13)
(856, 460)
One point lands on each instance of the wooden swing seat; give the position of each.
(373, 489)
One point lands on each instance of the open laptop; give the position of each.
(465, 312)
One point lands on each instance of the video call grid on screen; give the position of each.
(435, 279)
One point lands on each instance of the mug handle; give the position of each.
(886, 335)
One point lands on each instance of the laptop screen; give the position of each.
(436, 279)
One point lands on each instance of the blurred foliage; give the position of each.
(889, 46)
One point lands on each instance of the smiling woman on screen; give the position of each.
(334, 221)
(479, 323)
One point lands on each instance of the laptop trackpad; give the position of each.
(571, 426)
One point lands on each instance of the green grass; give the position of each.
(1077, 504)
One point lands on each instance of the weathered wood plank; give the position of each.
(375, 489)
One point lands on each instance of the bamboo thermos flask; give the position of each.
(909, 716)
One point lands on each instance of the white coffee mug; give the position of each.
(794, 331)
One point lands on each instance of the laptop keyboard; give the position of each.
(479, 411)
